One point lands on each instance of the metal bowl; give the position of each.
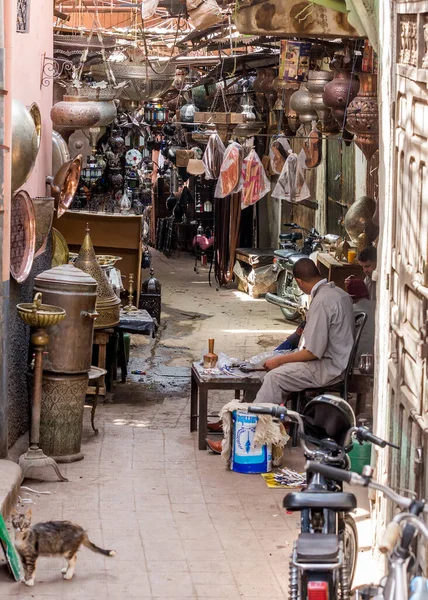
(64, 184)
(40, 315)
(26, 135)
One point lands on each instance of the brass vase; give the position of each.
(300, 102)
(363, 115)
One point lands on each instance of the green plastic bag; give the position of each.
(9, 551)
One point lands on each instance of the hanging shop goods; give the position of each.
(339, 92)
(72, 47)
(43, 212)
(291, 184)
(267, 88)
(213, 156)
(147, 81)
(65, 183)
(301, 102)
(26, 136)
(312, 148)
(229, 180)
(22, 236)
(317, 80)
(359, 222)
(74, 112)
(70, 343)
(61, 424)
(151, 296)
(204, 13)
(250, 125)
(108, 304)
(60, 152)
(363, 115)
(255, 181)
(293, 19)
(257, 88)
(278, 154)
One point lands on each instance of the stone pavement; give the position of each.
(183, 525)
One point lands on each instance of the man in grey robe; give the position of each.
(326, 343)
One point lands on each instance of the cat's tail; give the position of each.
(87, 542)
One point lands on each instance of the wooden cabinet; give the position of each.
(111, 234)
(336, 271)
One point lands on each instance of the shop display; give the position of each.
(64, 184)
(230, 171)
(70, 343)
(255, 183)
(291, 184)
(22, 236)
(317, 80)
(39, 316)
(362, 117)
(301, 103)
(339, 92)
(26, 136)
(108, 304)
(213, 156)
(278, 154)
(74, 112)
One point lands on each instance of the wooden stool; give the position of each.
(95, 374)
(101, 338)
(203, 381)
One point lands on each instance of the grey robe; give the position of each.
(329, 335)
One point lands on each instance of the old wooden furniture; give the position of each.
(101, 339)
(113, 234)
(336, 271)
(203, 381)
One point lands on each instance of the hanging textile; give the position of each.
(213, 156)
(229, 180)
(255, 181)
(227, 228)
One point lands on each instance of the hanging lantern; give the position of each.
(339, 92)
(300, 101)
(317, 80)
(363, 115)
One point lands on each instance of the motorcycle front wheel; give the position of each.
(289, 290)
(350, 545)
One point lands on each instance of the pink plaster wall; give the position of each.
(27, 57)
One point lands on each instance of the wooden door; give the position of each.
(408, 281)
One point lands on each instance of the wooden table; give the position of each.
(115, 234)
(138, 322)
(336, 271)
(203, 381)
(95, 374)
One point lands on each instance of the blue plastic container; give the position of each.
(245, 457)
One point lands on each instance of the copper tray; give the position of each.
(60, 252)
(22, 236)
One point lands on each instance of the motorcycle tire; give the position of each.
(289, 292)
(350, 545)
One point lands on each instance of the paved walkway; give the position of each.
(183, 526)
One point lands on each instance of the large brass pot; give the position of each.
(70, 342)
(359, 222)
(61, 420)
(26, 136)
(74, 112)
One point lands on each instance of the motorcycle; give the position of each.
(324, 557)
(289, 297)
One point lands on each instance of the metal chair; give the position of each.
(341, 387)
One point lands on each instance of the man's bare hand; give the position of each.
(348, 279)
(274, 363)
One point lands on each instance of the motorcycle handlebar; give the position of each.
(329, 472)
(365, 435)
(273, 411)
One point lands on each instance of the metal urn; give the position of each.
(70, 342)
(339, 92)
(363, 115)
(107, 304)
(317, 80)
(359, 222)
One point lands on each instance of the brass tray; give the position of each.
(22, 236)
(60, 252)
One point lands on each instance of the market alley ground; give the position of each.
(183, 525)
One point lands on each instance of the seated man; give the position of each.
(324, 347)
(368, 260)
(359, 293)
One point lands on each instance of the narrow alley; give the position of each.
(183, 525)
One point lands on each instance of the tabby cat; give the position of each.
(54, 538)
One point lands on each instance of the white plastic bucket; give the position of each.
(247, 458)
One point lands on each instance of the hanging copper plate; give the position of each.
(22, 236)
(60, 252)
